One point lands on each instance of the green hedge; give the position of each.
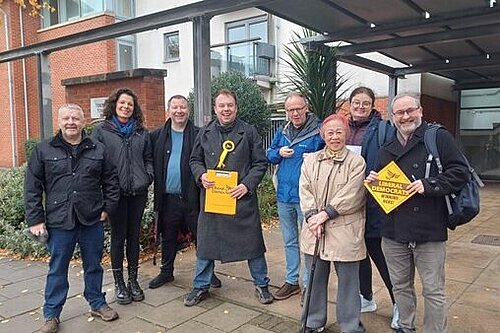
(12, 215)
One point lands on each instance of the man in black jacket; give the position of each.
(414, 234)
(176, 195)
(70, 189)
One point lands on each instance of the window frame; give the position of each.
(165, 48)
(127, 41)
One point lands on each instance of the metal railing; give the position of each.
(241, 56)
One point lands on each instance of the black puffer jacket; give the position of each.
(131, 156)
(422, 218)
(82, 186)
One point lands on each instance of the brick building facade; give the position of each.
(19, 106)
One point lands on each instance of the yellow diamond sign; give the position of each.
(390, 189)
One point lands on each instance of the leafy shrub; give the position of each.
(29, 146)
(267, 201)
(11, 196)
(12, 215)
(252, 107)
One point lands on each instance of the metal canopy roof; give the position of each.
(458, 39)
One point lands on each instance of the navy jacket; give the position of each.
(422, 218)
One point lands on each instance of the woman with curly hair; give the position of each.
(128, 144)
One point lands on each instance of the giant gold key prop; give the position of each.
(227, 146)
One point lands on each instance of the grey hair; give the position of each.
(414, 96)
(70, 106)
(296, 94)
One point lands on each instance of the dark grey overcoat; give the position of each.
(225, 237)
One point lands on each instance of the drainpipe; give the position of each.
(25, 85)
(11, 94)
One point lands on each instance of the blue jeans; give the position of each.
(291, 219)
(61, 245)
(205, 269)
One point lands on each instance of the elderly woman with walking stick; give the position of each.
(332, 198)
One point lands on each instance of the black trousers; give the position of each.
(175, 215)
(125, 229)
(374, 248)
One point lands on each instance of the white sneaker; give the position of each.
(367, 306)
(395, 317)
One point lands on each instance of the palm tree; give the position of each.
(313, 72)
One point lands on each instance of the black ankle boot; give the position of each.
(133, 286)
(122, 294)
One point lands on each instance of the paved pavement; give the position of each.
(472, 279)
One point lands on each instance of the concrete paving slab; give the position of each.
(469, 319)
(251, 329)
(28, 322)
(480, 297)
(162, 295)
(16, 289)
(19, 305)
(132, 310)
(490, 276)
(136, 325)
(84, 323)
(172, 314)
(227, 317)
(194, 326)
(24, 271)
(74, 307)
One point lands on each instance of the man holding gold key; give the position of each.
(229, 147)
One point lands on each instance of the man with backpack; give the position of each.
(414, 234)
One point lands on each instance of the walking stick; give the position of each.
(309, 285)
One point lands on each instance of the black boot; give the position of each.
(133, 286)
(122, 294)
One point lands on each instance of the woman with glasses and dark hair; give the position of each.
(368, 133)
(128, 144)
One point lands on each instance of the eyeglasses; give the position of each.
(409, 111)
(298, 110)
(364, 104)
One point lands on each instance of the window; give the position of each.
(241, 56)
(171, 44)
(67, 10)
(91, 6)
(124, 8)
(480, 130)
(125, 53)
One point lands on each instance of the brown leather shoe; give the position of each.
(106, 313)
(51, 326)
(287, 290)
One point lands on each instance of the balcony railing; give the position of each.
(249, 57)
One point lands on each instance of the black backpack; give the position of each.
(464, 205)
